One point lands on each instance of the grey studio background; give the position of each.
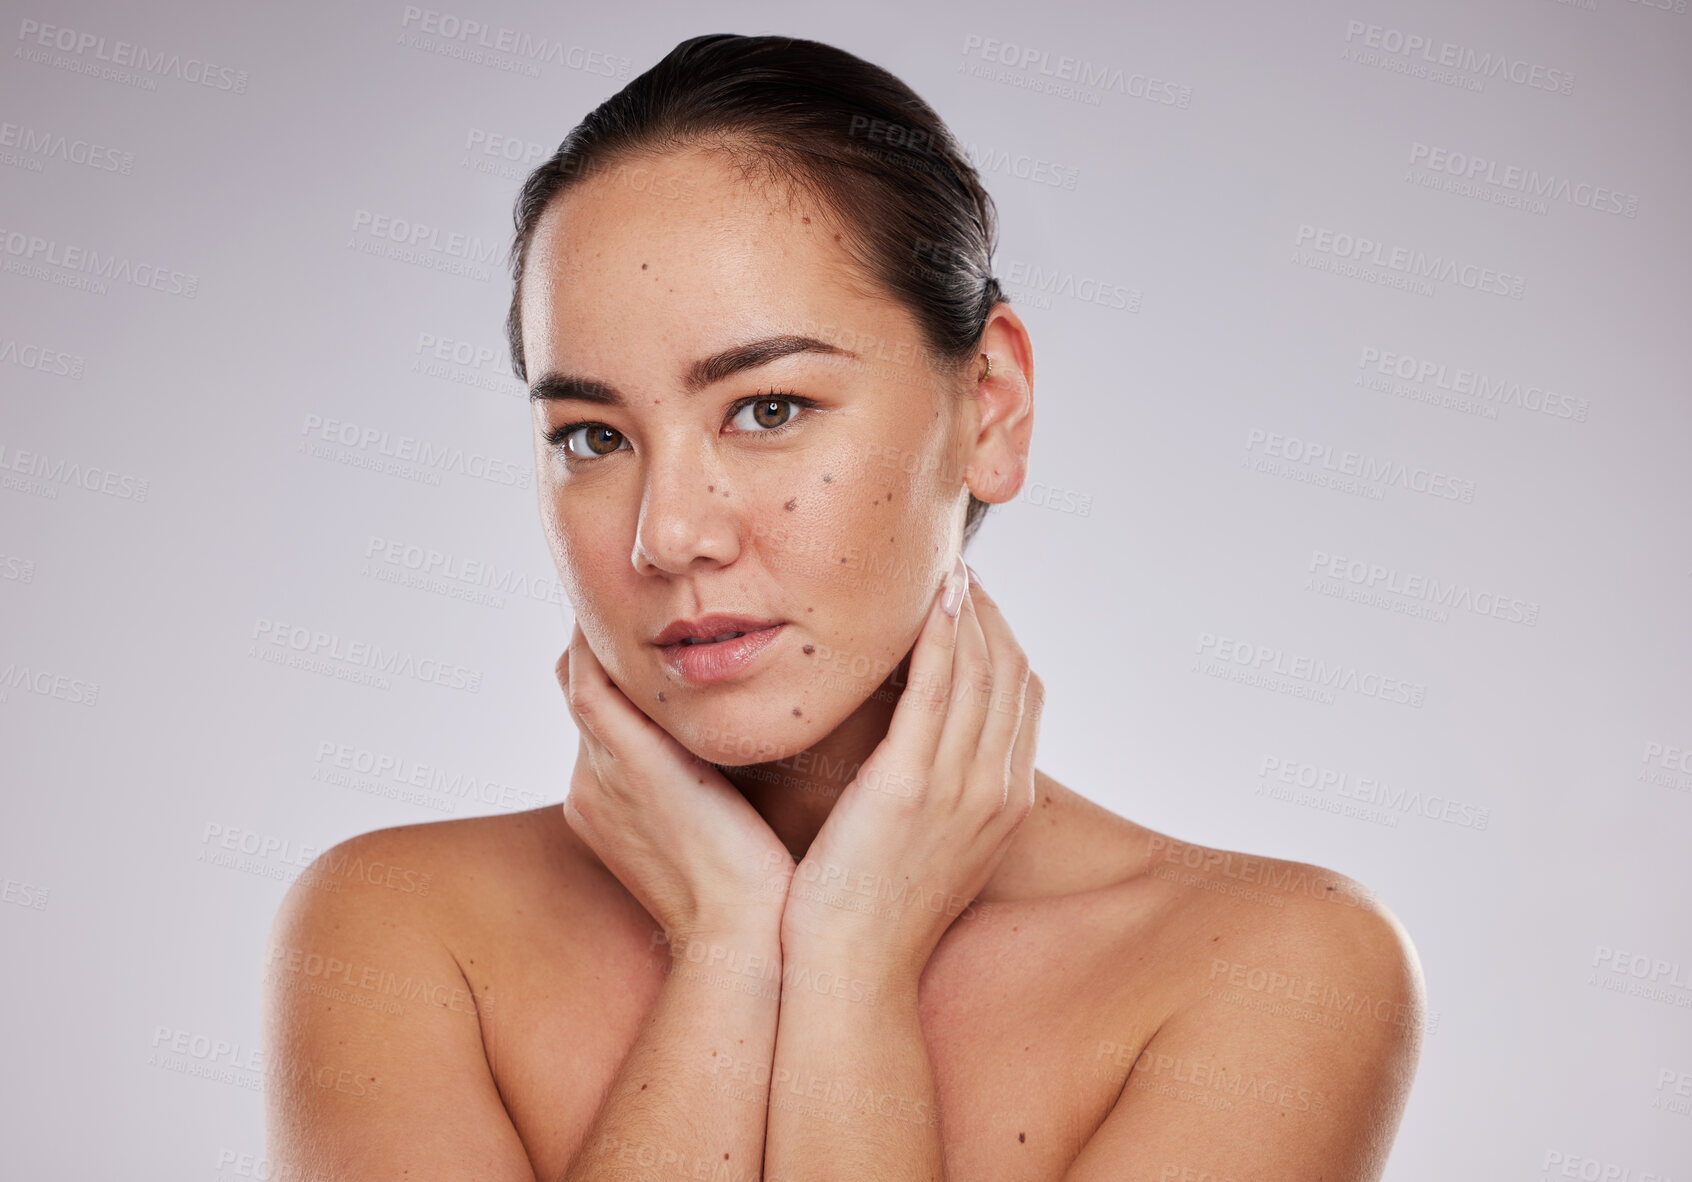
(1361, 339)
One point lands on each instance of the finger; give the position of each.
(614, 726)
(592, 698)
(920, 714)
(1011, 671)
(973, 678)
(1022, 787)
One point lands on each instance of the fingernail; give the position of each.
(952, 601)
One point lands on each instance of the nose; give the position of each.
(689, 519)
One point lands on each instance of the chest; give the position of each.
(1028, 1026)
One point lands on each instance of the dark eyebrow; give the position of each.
(702, 373)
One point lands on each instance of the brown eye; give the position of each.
(602, 441)
(766, 414)
(599, 439)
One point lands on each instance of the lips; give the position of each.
(707, 651)
(712, 629)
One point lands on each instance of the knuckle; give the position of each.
(1022, 804)
(978, 676)
(1016, 666)
(932, 693)
(579, 703)
(1036, 693)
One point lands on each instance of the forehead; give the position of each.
(656, 261)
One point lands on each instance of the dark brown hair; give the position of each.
(916, 217)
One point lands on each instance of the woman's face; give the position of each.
(700, 490)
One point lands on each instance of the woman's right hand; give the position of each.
(679, 836)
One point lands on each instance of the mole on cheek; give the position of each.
(827, 478)
(660, 695)
(810, 648)
(643, 266)
(796, 713)
(790, 505)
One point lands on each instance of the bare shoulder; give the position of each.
(1293, 913)
(1290, 1029)
(374, 1020)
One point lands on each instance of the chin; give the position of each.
(755, 722)
(752, 726)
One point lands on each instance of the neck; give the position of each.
(795, 795)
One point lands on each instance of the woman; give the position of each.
(809, 910)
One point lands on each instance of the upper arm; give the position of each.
(1294, 1060)
(374, 1066)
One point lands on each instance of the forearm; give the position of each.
(683, 1095)
(852, 1092)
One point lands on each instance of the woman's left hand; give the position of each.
(920, 829)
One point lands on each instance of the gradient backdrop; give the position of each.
(1358, 529)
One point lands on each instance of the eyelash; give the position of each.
(557, 437)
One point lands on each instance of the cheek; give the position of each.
(585, 551)
(855, 546)
(845, 530)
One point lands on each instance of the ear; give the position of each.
(998, 458)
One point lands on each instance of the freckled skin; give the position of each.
(635, 540)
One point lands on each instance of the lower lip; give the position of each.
(705, 663)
